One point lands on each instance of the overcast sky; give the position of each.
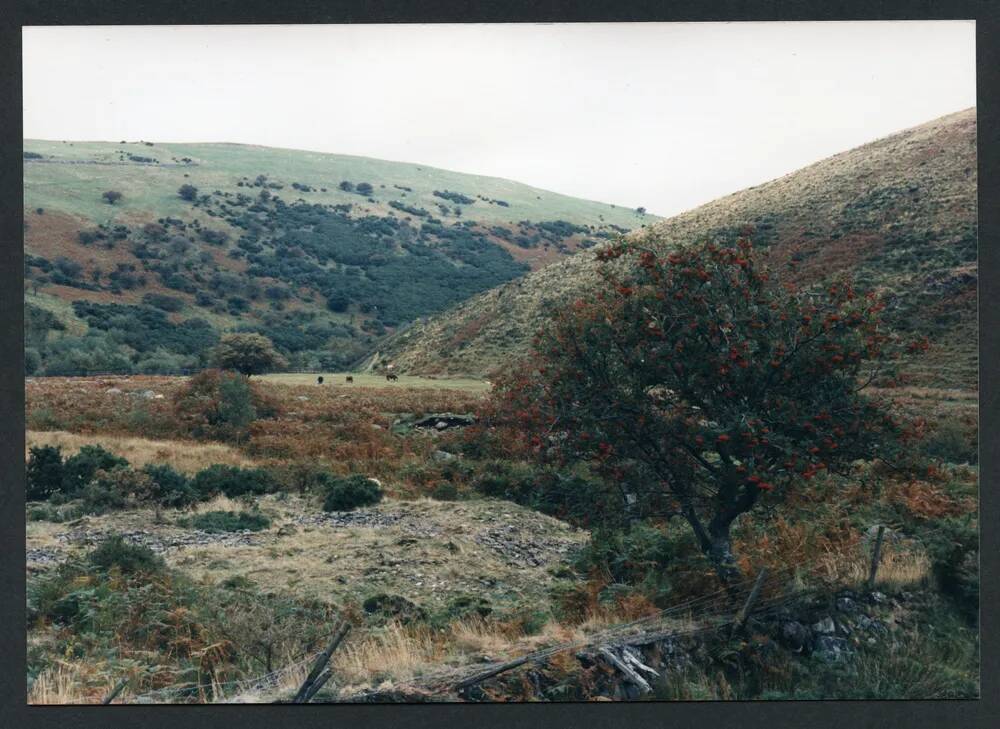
(664, 115)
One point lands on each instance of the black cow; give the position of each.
(350, 379)
(319, 380)
(391, 377)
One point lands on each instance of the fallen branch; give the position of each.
(626, 669)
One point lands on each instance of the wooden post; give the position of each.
(876, 557)
(115, 691)
(321, 660)
(317, 685)
(744, 613)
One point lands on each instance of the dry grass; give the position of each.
(68, 683)
(185, 456)
(901, 566)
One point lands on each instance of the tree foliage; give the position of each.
(248, 353)
(702, 385)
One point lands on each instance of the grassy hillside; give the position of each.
(900, 213)
(322, 253)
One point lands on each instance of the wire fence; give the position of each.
(705, 614)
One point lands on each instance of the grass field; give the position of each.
(339, 379)
(73, 175)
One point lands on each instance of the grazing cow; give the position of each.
(350, 379)
(392, 377)
(319, 380)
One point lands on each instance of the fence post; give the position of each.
(744, 613)
(876, 557)
(321, 660)
(115, 691)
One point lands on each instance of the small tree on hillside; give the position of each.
(248, 353)
(112, 196)
(701, 386)
(188, 192)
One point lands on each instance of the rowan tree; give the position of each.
(702, 385)
(248, 353)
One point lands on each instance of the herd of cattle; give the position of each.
(390, 377)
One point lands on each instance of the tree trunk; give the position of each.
(720, 552)
(715, 544)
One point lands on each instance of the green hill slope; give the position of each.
(323, 253)
(900, 213)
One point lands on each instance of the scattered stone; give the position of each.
(303, 398)
(113, 391)
(795, 635)
(443, 456)
(830, 649)
(826, 626)
(846, 605)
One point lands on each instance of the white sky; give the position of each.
(665, 115)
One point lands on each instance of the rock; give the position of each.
(826, 626)
(158, 396)
(303, 398)
(287, 530)
(846, 605)
(878, 598)
(795, 635)
(113, 391)
(830, 649)
(441, 425)
(443, 456)
(146, 394)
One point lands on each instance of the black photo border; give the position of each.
(14, 711)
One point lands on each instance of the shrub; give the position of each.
(163, 301)
(188, 192)
(953, 547)
(44, 472)
(345, 494)
(128, 558)
(111, 196)
(169, 487)
(32, 361)
(215, 404)
(231, 481)
(228, 521)
(952, 442)
(81, 468)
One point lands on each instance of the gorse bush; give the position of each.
(44, 474)
(345, 494)
(228, 521)
(115, 552)
(231, 481)
(79, 469)
(169, 487)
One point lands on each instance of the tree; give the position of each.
(364, 188)
(188, 192)
(248, 353)
(112, 196)
(702, 386)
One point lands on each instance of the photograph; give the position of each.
(374, 363)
